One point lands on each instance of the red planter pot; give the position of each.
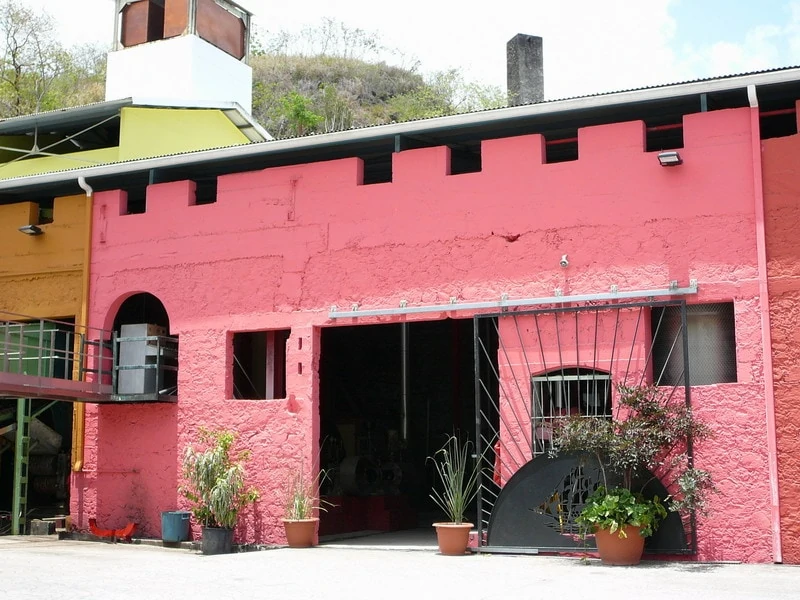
(453, 538)
(300, 533)
(616, 550)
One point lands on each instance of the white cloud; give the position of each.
(764, 46)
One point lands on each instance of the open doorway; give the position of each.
(389, 397)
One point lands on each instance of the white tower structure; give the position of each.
(181, 53)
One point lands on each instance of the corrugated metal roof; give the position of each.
(483, 121)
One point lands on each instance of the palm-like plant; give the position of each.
(216, 480)
(459, 480)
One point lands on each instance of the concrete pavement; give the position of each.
(47, 568)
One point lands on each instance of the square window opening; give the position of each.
(711, 333)
(259, 364)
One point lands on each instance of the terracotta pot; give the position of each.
(615, 550)
(453, 538)
(300, 533)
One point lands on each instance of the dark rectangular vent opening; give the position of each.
(377, 169)
(137, 200)
(664, 136)
(465, 160)
(561, 148)
(45, 210)
(205, 190)
(778, 124)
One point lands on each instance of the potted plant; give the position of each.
(458, 485)
(300, 518)
(215, 487)
(650, 434)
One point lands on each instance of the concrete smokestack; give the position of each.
(525, 72)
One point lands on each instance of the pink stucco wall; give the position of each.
(280, 246)
(782, 213)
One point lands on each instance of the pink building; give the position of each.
(346, 300)
(485, 211)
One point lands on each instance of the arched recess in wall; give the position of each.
(142, 308)
(142, 329)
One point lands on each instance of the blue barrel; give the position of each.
(175, 525)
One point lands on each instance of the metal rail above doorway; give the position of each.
(505, 302)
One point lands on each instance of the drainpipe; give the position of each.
(79, 410)
(766, 333)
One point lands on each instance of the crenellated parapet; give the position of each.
(433, 232)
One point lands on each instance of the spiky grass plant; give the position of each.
(459, 481)
(299, 498)
(216, 480)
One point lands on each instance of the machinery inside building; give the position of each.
(390, 395)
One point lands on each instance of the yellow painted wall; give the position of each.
(49, 164)
(42, 276)
(157, 131)
(144, 132)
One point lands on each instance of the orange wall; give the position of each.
(782, 214)
(42, 276)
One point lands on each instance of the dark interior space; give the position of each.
(47, 352)
(377, 477)
(48, 461)
(142, 308)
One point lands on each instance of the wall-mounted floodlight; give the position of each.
(669, 158)
(31, 230)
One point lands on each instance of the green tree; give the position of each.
(301, 119)
(31, 58)
(36, 72)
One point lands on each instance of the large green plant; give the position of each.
(652, 431)
(459, 480)
(215, 480)
(613, 509)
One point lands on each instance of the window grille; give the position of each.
(563, 394)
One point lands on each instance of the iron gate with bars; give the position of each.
(535, 367)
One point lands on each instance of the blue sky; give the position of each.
(589, 46)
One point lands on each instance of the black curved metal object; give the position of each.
(537, 508)
(538, 505)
